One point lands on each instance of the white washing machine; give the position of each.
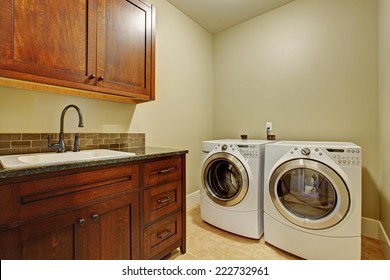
(231, 192)
(312, 199)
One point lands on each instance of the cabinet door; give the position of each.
(114, 231)
(124, 53)
(48, 41)
(62, 237)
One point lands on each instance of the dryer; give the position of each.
(232, 179)
(312, 199)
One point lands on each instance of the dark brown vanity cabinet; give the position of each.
(67, 215)
(164, 207)
(107, 230)
(130, 210)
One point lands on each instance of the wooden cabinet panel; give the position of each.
(101, 46)
(48, 39)
(163, 235)
(162, 200)
(124, 37)
(61, 237)
(57, 245)
(161, 171)
(114, 229)
(108, 230)
(10, 245)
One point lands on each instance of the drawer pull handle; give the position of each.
(82, 222)
(168, 198)
(166, 170)
(164, 234)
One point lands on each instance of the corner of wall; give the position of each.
(384, 241)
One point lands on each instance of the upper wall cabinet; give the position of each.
(103, 47)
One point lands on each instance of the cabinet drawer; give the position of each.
(162, 171)
(65, 191)
(162, 235)
(162, 200)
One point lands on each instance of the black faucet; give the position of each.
(60, 146)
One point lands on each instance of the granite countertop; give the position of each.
(140, 154)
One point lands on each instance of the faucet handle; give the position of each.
(50, 145)
(76, 143)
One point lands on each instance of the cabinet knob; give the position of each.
(101, 78)
(95, 217)
(82, 222)
(91, 77)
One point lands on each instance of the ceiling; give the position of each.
(217, 15)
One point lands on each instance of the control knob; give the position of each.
(305, 151)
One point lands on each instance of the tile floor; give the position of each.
(205, 242)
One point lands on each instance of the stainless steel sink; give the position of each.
(29, 160)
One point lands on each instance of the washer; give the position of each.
(232, 179)
(312, 199)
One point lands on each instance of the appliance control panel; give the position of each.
(246, 150)
(346, 157)
(341, 156)
(249, 151)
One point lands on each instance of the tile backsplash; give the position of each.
(24, 143)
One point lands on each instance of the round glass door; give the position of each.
(309, 194)
(224, 179)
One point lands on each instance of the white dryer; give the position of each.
(231, 192)
(312, 199)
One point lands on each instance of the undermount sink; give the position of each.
(26, 160)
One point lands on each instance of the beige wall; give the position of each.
(311, 68)
(384, 112)
(179, 118)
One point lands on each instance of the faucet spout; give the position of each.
(60, 146)
(81, 124)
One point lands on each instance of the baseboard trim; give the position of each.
(370, 227)
(374, 229)
(384, 241)
(192, 199)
